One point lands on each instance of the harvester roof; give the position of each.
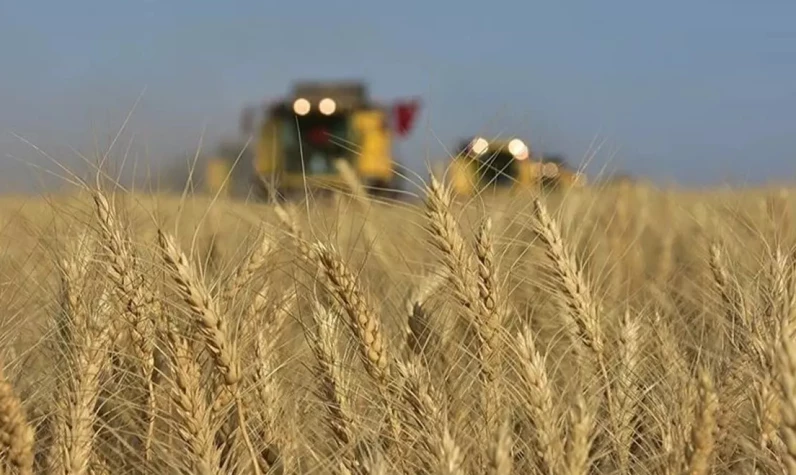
(324, 97)
(346, 94)
(493, 143)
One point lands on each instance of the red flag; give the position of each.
(405, 113)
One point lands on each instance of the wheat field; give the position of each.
(621, 329)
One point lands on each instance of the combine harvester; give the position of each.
(507, 164)
(298, 140)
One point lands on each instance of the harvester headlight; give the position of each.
(301, 106)
(479, 146)
(518, 149)
(327, 106)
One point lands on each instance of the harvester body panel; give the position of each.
(218, 176)
(373, 136)
(269, 154)
(463, 173)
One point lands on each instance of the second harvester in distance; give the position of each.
(509, 164)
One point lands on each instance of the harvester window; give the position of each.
(318, 141)
(497, 168)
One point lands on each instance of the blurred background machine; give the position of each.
(507, 164)
(296, 141)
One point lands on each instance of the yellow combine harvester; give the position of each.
(300, 138)
(509, 163)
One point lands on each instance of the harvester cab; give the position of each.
(301, 138)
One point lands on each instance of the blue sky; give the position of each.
(696, 92)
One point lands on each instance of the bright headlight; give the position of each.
(301, 106)
(479, 145)
(518, 149)
(327, 106)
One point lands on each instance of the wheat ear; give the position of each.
(474, 286)
(196, 418)
(16, 435)
(582, 422)
(364, 323)
(253, 262)
(137, 303)
(361, 316)
(500, 462)
(578, 296)
(87, 359)
(212, 326)
(333, 385)
(538, 401)
(786, 353)
(427, 405)
(703, 438)
(627, 391)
